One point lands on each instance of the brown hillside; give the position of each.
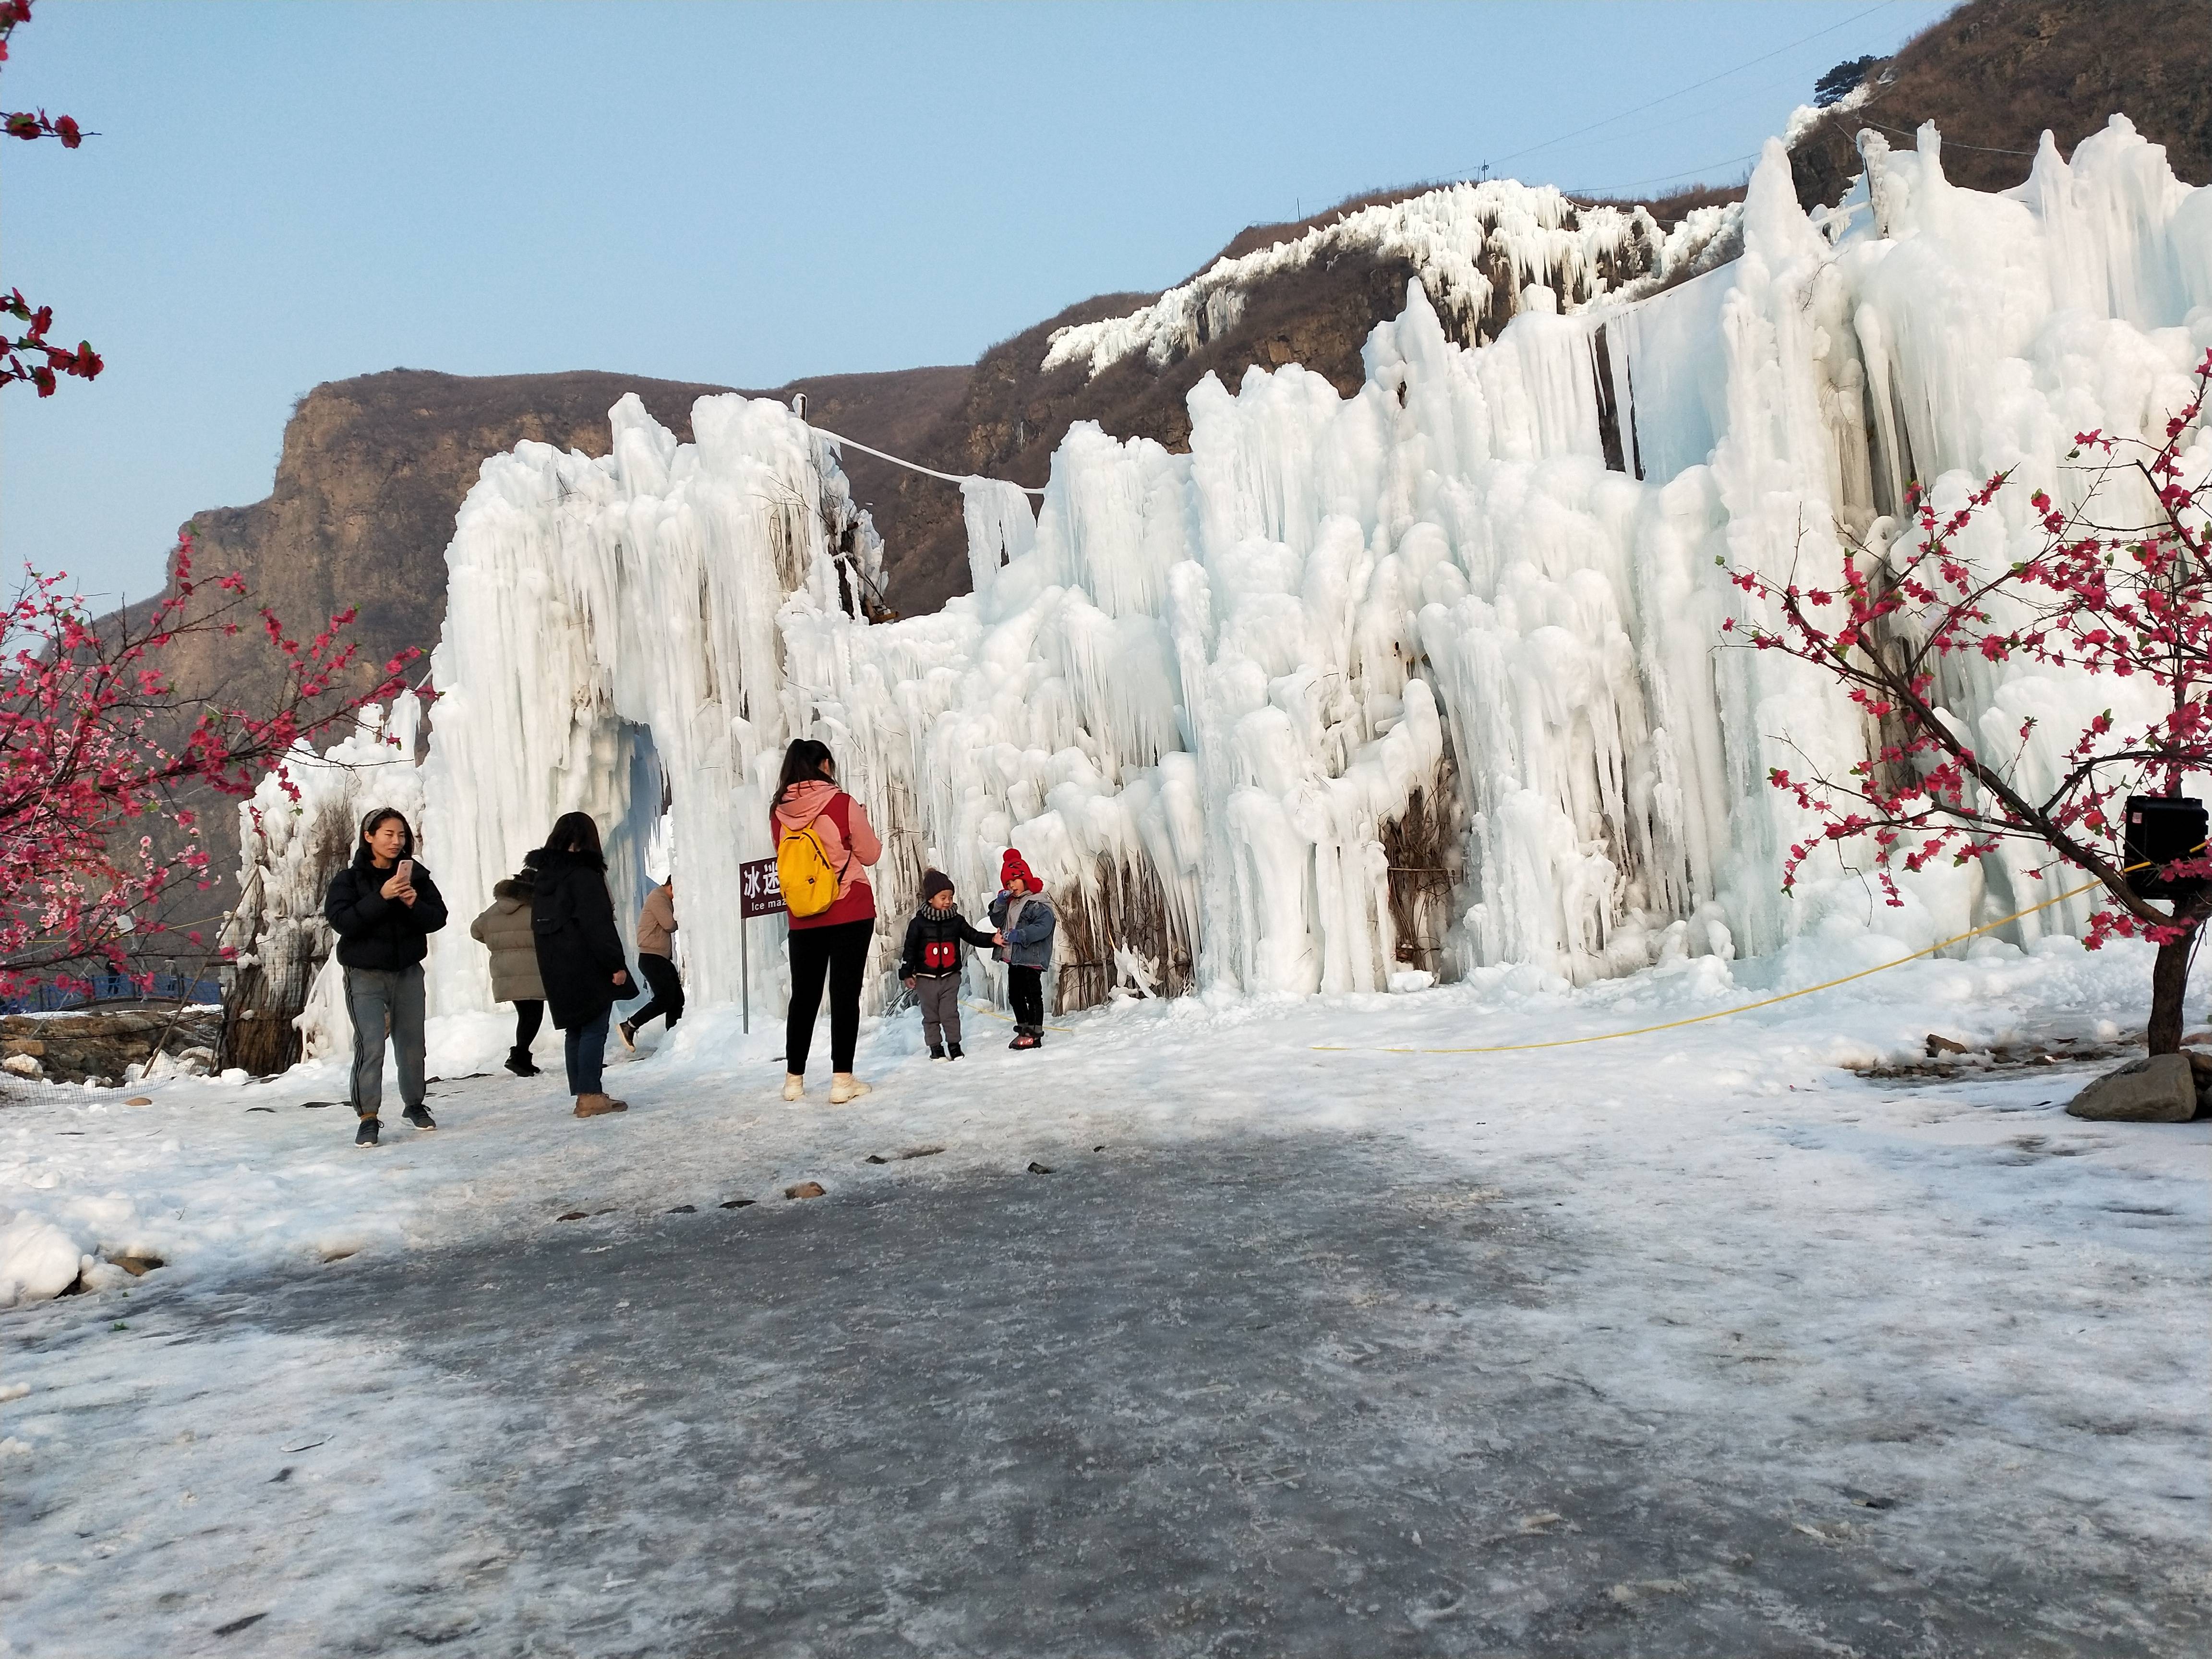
(1993, 75)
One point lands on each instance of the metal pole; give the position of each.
(745, 969)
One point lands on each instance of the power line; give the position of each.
(1948, 144)
(1687, 172)
(1695, 86)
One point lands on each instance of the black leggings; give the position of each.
(667, 991)
(840, 951)
(529, 1015)
(1025, 990)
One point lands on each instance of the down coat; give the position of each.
(946, 929)
(578, 948)
(504, 928)
(377, 933)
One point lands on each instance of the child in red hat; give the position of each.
(1023, 918)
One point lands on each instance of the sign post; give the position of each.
(759, 893)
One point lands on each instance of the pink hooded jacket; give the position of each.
(848, 838)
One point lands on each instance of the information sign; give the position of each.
(759, 893)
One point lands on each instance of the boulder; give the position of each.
(2159, 1089)
(2201, 1063)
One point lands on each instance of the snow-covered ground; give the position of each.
(1756, 1267)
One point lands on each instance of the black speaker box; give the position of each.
(2163, 829)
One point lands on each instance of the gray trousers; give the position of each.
(940, 1008)
(381, 998)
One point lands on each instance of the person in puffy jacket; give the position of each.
(835, 943)
(579, 955)
(384, 906)
(656, 960)
(504, 929)
(1024, 919)
(929, 966)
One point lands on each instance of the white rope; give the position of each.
(916, 466)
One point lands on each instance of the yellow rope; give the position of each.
(1723, 1013)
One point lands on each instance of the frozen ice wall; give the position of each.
(615, 644)
(296, 831)
(1421, 680)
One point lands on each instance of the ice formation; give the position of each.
(1476, 248)
(296, 830)
(1421, 681)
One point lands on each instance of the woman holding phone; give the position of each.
(384, 908)
(580, 954)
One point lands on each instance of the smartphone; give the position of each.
(407, 872)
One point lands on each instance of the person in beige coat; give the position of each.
(656, 961)
(504, 929)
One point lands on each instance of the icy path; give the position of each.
(1682, 1347)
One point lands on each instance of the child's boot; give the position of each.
(936, 1051)
(952, 1051)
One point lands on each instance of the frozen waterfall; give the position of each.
(1422, 680)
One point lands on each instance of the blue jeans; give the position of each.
(585, 1049)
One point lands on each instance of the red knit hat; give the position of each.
(1015, 865)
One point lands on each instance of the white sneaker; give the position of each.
(794, 1086)
(845, 1086)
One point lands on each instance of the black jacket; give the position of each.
(578, 948)
(930, 927)
(374, 931)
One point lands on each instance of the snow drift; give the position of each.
(1406, 682)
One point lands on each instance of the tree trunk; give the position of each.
(2169, 986)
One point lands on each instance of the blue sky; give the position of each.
(284, 194)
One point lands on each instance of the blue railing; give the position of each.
(113, 987)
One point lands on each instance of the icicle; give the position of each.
(1000, 528)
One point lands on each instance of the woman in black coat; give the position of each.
(580, 954)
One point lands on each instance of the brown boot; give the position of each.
(599, 1105)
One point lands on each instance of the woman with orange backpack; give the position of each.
(823, 843)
